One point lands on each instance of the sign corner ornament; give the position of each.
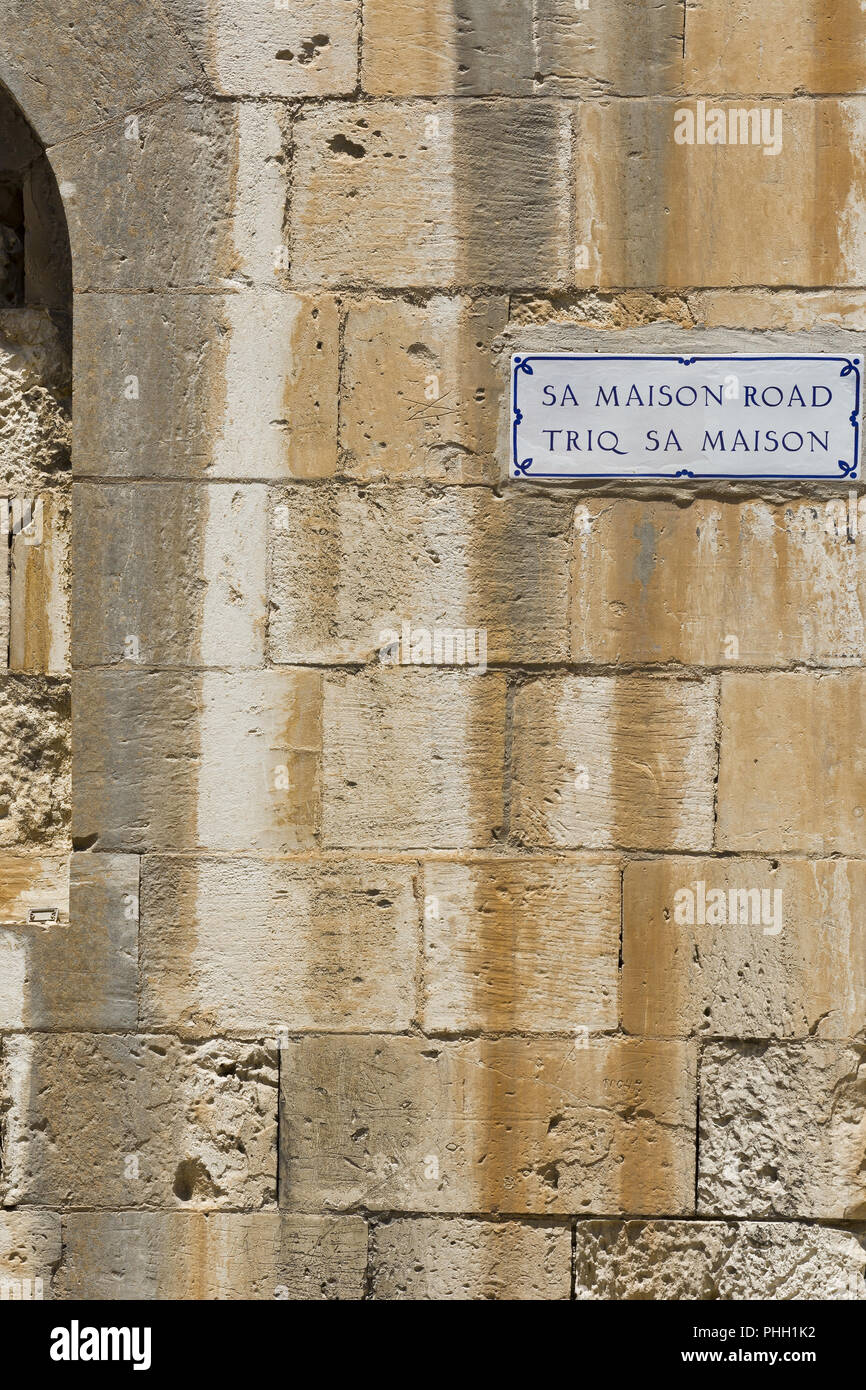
(773, 417)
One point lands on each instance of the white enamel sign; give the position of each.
(685, 417)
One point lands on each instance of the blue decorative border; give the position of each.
(522, 365)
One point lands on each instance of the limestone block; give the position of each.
(351, 566)
(624, 310)
(34, 384)
(188, 1125)
(814, 47)
(39, 589)
(654, 212)
(515, 48)
(788, 310)
(34, 761)
(29, 1254)
(259, 191)
(673, 1260)
(217, 761)
(609, 46)
(421, 393)
(744, 966)
(792, 765)
(459, 1260)
(212, 1255)
(80, 971)
(412, 759)
(521, 946)
(406, 197)
(71, 64)
(290, 50)
(169, 574)
(305, 945)
(150, 205)
(234, 386)
(31, 883)
(656, 582)
(424, 47)
(601, 761)
(782, 1130)
(514, 1125)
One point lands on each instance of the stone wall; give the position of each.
(372, 982)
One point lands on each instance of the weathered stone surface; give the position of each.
(653, 212)
(234, 386)
(406, 198)
(350, 566)
(34, 761)
(28, 882)
(306, 945)
(516, 48)
(427, 47)
(456, 1259)
(620, 46)
(71, 65)
(39, 589)
(262, 267)
(512, 1126)
(34, 387)
(303, 49)
(718, 1260)
(421, 393)
(623, 309)
(770, 310)
(81, 971)
(188, 1125)
(792, 770)
(216, 1255)
(223, 762)
(522, 946)
(782, 1130)
(170, 574)
(29, 1251)
(413, 759)
(151, 208)
(259, 191)
(817, 47)
(657, 582)
(788, 310)
(602, 761)
(749, 971)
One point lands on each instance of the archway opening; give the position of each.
(35, 488)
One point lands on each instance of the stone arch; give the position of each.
(35, 486)
(146, 161)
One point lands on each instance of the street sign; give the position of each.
(595, 416)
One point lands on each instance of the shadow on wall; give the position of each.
(35, 266)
